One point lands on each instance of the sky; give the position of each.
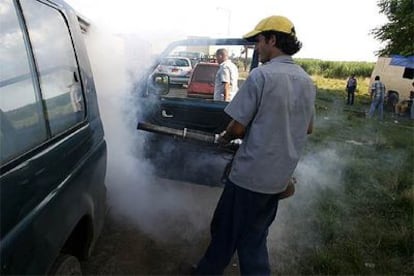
(335, 30)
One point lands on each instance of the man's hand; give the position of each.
(233, 131)
(223, 138)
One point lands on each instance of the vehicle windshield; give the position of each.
(191, 55)
(192, 52)
(204, 73)
(179, 62)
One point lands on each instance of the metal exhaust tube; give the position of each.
(184, 133)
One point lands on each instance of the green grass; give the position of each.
(360, 217)
(336, 69)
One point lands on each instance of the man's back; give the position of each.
(378, 89)
(351, 82)
(276, 104)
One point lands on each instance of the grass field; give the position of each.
(353, 212)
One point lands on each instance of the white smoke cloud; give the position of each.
(163, 209)
(168, 210)
(293, 231)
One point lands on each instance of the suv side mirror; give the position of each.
(158, 84)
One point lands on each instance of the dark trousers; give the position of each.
(351, 95)
(240, 222)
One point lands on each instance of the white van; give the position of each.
(397, 74)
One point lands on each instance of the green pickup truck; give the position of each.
(166, 106)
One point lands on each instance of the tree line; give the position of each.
(398, 33)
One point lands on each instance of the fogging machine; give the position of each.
(190, 134)
(185, 133)
(206, 137)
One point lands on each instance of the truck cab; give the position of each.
(189, 108)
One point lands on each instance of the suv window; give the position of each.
(59, 74)
(22, 123)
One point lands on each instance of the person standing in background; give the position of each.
(351, 85)
(225, 85)
(391, 102)
(377, 98)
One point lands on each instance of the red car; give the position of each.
(201, 83)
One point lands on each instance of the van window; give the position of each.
(58, 70)
(22, 124)
(408, 73)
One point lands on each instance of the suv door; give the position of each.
(53, 152)
(174, 108)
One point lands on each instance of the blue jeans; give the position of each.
(377, 103)
(240, 222)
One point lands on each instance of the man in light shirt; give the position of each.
(225, 86)
(377, 98)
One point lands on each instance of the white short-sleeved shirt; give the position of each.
(275, 104)
(229, 73)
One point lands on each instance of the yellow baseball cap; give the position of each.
(272, 23)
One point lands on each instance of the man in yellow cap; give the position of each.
(273, 113)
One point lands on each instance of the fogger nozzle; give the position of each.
(183, 133)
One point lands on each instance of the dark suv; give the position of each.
(52, 146)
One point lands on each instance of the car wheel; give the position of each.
(66, 265)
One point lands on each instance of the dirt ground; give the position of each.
(154, 226)
(128, 247)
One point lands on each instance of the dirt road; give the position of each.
(166, 242)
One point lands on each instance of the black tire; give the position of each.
(66, 265)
